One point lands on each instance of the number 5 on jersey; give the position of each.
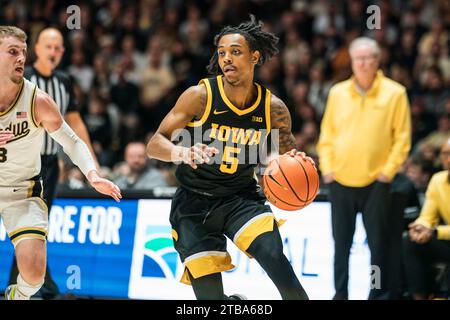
(230, 160)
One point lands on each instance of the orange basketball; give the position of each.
(290, 183)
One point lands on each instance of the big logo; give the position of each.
(160, 258)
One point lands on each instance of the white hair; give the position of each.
(365, 42)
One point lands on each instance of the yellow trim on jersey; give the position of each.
(28, 235)
(280, 222)
(206, 265)
(32, 107)
(208, 105)
(17, 98)
(174, 235)
(267, 106)
(42, 202)
(231, 106)
(30, 188)
(252, 231)
(27, 228)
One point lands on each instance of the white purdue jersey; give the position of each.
(20, 157)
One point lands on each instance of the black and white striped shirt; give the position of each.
(59, 87)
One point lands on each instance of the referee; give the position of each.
(49, 49)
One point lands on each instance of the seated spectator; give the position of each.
(419, 171)
(429, 241)
(437, 137)
(141, 174)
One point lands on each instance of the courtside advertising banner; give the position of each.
(100, 248)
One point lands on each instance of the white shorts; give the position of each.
(24, 212)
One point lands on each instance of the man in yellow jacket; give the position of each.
(428, 240)
(365, 138)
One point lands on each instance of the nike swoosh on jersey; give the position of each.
(219, 112)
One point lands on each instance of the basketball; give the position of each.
(290, 183)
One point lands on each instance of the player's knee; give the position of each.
(33, 276)
(33, 269)
(274, 254)
(32, 264)
(266, 247)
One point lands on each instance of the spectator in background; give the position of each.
(141, 174)
(318, 89)
(436, 92)
(302, 111)
(133, 61)
(340, 62)
(407, 53)
(194, 20)
(436, 138)
(423, 121)
(193, 33)
(82, 72)
(125, 98)
(101, 76)
(98, 123)
(429, 235)
(365, 138)
(72, 178)
(437, 35)
(156, 82)
(309, 138)
(419, 171)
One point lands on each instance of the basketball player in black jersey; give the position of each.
(49, 49)
(219, 196)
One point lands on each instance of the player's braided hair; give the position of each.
(257, 39)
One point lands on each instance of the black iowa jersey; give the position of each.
(239, 135)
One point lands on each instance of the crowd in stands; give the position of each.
(130, 60)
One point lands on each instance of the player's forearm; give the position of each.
(75, 148)
(161, 148)
(286, 142)
(82, 132)
(76, 123)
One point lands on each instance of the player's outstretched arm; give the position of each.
(74, 120)
(190, 104)
(47, 115)
(280, 120)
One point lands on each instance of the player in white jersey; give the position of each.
(25, 112)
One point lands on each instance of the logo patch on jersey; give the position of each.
(257, 119)
(21, 115)
(19, 129)
(219, 112)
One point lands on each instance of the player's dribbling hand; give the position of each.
(104, 186)
(5, 136)
(303, 155)
(198, 154)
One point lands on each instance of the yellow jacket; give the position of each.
(437, 205)
(363, 136)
